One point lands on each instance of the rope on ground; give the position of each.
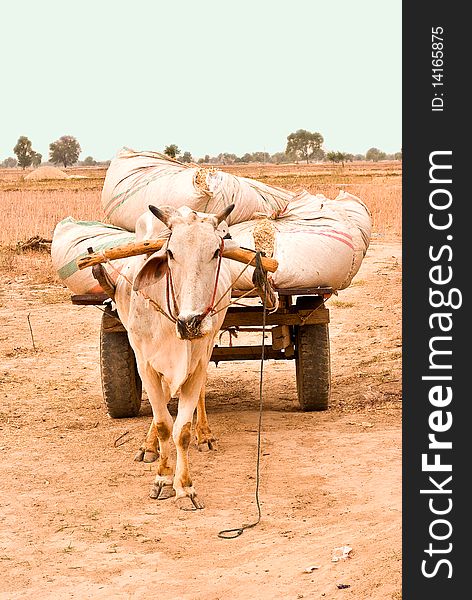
(229, 534)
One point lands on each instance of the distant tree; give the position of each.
(332, 156)
(279, 157)
(336, 157)
(318, 155)
(226, 158)
(358, 157)
(9, 163)
(262, 157)
(89, 161)
(23, 151)
(340, 157)
(36, 158)
(304, 144)
(399, 155)
(172, 150)
(200, 161)
(64, 151)
(375, 154)
(186, 157)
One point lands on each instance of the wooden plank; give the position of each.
(89, 299)
(221, 353)
(281, 337)
(312, 291)
(252, 315)
(149, 246)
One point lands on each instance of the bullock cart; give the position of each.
(298, 330)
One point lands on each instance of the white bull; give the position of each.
(172, 320)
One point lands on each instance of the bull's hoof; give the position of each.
(147, 456)
(162, 489)
(150, 456)
(190, 503)
(206, 441)
(207, 445)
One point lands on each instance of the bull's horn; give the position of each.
(224, 213)
(164, 213)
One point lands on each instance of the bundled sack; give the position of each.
(70, 241)
(352, 208)
(317, 242)
(136, 179)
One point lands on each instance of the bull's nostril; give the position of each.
(189, 327)
(194, 322)
(181, 326)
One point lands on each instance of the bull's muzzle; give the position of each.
(190, 327)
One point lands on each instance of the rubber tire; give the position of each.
(313, 366)
(121, 384)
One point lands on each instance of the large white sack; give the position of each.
(70, 241)
(356, 211)
(318, 243)
(136, 179)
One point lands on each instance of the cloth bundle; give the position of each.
(317, 241)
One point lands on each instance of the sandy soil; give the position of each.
(76, 520)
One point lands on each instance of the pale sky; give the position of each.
(211, 76)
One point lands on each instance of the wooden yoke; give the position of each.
(149, 246)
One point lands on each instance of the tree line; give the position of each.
(65, 151)
(302, 145)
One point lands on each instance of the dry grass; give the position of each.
(34, 207)
(32, 265)
(341, 304)
(31, 208)
(36, 212)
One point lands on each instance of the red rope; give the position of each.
(213, 298)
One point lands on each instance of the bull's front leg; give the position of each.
(161, 427)
(190, 392)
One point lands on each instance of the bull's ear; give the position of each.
(224, 213)
(152, 271)
(163, 213)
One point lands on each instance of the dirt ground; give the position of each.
(76, 520)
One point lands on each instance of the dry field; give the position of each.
(34, 207)
(75, 517)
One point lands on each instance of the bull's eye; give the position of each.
(217, 253)
(170, 255)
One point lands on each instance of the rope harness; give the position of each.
(170, 287)
(170, 293)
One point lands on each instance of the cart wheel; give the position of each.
(121, 384)
(313, 366)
